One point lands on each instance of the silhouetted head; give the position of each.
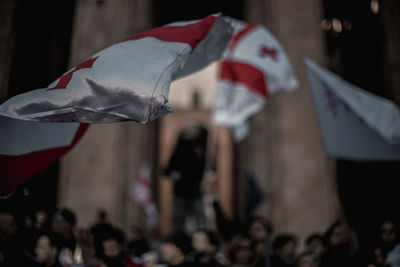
(242, 250)
(284, 245)
(63, 222)
(260, 229)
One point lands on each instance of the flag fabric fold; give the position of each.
(28, 147)
(253, 67)
(355, 124)
(129, 80)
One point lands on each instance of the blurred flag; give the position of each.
(355, 124)
(129, 80)
(142, 194)
(28, 147)
(253, 66)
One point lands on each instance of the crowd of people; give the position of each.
(53, 240)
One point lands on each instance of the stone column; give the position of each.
(99, 171)
(285, 148)
(224, 171)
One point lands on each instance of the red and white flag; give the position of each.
(253, 67)
(27, 147)
(142, 194)
(129, 80)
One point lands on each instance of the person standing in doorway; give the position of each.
(186, 168)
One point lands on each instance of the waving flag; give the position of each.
(141, 193)
(355, 124)
(28, 147)
(127, 81)
(253, 66)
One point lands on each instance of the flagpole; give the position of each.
(224, 166)
(219, 159)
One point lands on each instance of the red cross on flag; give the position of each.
(129, 80)
(253, 67)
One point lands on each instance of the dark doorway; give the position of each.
(180, 10)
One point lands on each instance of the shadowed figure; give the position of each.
(185, 168)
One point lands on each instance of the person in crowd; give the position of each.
(28, 221)
(138, 245)
(175, 249)
(242, 251)
(151, 259)
(30, 233)
(63, 222)
(388, 236)
(8, 225)
(85, 252)
(205, 246)
(8, 230)
(226, 228)
(48, 247)
(185, 168)
(113, 252)
(308, 258)
(376, 258)
(376, 255)
(315, 243)
(209, 194)
(284, 250)
(260, 229)
(34, 223)
(97, 231)
(41, 220)
(341, 246)
(13, 242)
(100, 223)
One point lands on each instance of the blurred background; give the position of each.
(280, 170)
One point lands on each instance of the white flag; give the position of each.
(355, 124)
(253, 66)
(129, 80)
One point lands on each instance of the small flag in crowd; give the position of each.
(355, 124)
(142, 194)
(253, 66)
(127, 81)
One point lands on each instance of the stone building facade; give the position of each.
(284, 149)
